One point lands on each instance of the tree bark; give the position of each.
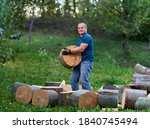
(108, 98)
(142, 103)
(130, 96)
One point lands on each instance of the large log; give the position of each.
(45, 98)
(120, 89)
(15, 86)
(108, 98)
(142, 103)
(70, 60)
(130, 96)
(24, 93)
(88, 100)
(76, 95)
(142, 69)
(65, 98)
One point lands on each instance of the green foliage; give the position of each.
(38, 62)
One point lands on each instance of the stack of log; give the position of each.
(133, 96)
(51, 94)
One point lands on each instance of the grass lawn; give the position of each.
(38, 62)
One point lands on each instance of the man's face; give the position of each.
(81, 29)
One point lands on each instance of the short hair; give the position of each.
(83, 24)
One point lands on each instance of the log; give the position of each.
(57, 84)
(148, 96)
(45, 98)
(108, 98)
(88, 100)
(24, 93)
(142, 103)
(15, 86)
(120, 89)
(76, 95)
(130, 96)
(142, 69)
(70, 60)
(65, 98)
(57, 89)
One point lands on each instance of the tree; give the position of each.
(123, 18)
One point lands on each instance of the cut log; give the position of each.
(15, 86)
(76, 95)
(142, 69)
(24, 93)
(108, 98)
(45, 98)
(57, 89)
(130, 96)
(65, 98)
(70, 60)
(52, 84)
(142, 103)
(88, 100)
(120, 89)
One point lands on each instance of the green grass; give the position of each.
(38, 62)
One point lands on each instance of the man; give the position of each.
(82, 71)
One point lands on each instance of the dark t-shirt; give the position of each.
(88, 53)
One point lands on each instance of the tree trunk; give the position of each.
(142, 103)
(65, 98)
(24, 93)
(88, 100)
(57, 89)
(125, 47)
(108, 98)
(130, 96)
(70, 60)
(15, 87)
(45, 98)
(76, 95)
(140, 69)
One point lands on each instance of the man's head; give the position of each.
(82, 28)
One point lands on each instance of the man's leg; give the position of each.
(86, 67)
(75, 78)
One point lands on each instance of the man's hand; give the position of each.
(66, 51)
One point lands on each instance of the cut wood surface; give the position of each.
(45, 98)
(70, 60)
(65, 98)
(108, 98)
(142, 69)
(130, 96)
(142, 103)
(76, 95)
(88, 100)
(24, 93)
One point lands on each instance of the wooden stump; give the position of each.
(142, 69)
(108, 98)
(24, 93)
(130, 96)
(142, 103)
(65, 98)
(88, 100)
(45, 98)
(70, 60)
(76, 95)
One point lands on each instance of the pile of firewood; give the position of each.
(132, 96)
